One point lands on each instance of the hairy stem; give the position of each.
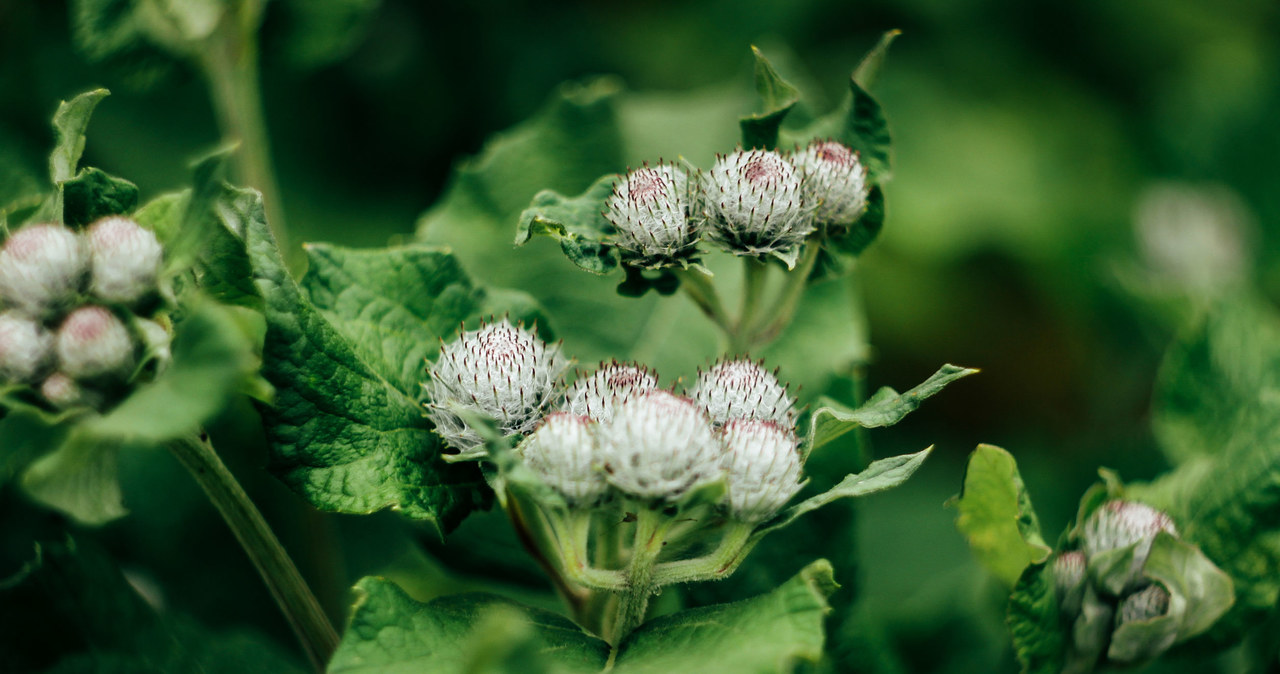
(784, 309)
(634, 602)
(703, 292)
(754, 275)
(286, 585)
(733, 547)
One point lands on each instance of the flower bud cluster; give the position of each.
(72, 330)
(1113, 531)
(751, 202)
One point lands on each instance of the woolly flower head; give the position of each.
(756, 202)
(742, 389)
(651, 210)
(762, 465)
(42, 269)
(659, 446)
(563, 453)
(608, 387)
(502, 371)
(93, 342)
(126, 260)
(25, 347)
(834, 181)
(1118, 524)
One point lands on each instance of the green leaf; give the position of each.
(1033, 622)
(855, 238)
(760, 130)
(94, 194)
(25, 436)
(887, 407)
(879, 476)
(69, 124)
(392, 305)
(996, 517)
(79, 479)
(868, 69)
(212, 358)
(578, 223)
(389, 633)
(769, 634)
(340, 434)
(223, 268)
(322, 33)
(859, 123)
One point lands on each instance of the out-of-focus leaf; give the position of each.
(996, 517)
(342, 435)
(69, 124)
(79, 478)
(321, 33)
(868, 69)
(760, 130)
(1034, 623)
(854, 239)
(26, 435)
(94, 194)
(859, 123)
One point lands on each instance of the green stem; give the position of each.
(634, 602)
(734, 545)
(699, 288)
(230, 64)
(784, 309)
(754, 275)
(286, 585)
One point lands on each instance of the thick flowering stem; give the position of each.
(287, 587)
(651, 530)
(755, 273)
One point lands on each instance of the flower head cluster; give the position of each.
(500, 371)
(70, 329)
(751, 202)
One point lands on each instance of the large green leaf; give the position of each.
(94, 194)
(341, 434)
(887, 407)
(996, 516)
(760, 130)
(1034, 624)
(768, 634)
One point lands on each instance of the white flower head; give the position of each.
(742, 389)
(608, 387)
(563, 453)
(93, 342)
(756, 203)
(62, 391)
(1117, 524)
(659, 446)
(762, 465)
(1145, 604)
(651, 209)
(42, 269)
(125, 260)
(502, 371)
(835, 181)
(1068, 580)
(25, 347)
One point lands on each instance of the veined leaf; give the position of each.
(996, 516)
(578, 223)
(1034, 624)
(69, 124)
(760, 130)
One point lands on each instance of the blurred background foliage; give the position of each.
(1031, 140)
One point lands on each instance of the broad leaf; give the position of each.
(94, 194)
(69, 124)
(879, 476)
(26, 435)
(868, 69)
(1034, 623)
(760, 130)
(79, 479)
(887, 407)
(341, 434)
(578, 223)
(996, 516)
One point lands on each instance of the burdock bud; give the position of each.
(93, 342)
(157, 341)
(126, 260)
(1068, 580)
(741, 389)
(1150, 602)
(563, 453)
(651, 210)
(658, 446)
(501, 371)
(1117, 524)
(42, 269)
(762, 464)
(25, 347)
(62, 391)
(612, 384)
(756, 203)
(835, 182)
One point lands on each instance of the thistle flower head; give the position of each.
(756, 203)
(659, 446)
(502, 371)
(42, 269)
(651, 210)
(742, 389)
(762, 465)
(25, 347)
(608, 387)
(1118, 524)
(1145, 604)
(92, 342)
(125, 260)
(835, 182)
(563, 453)
(1068, 580)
